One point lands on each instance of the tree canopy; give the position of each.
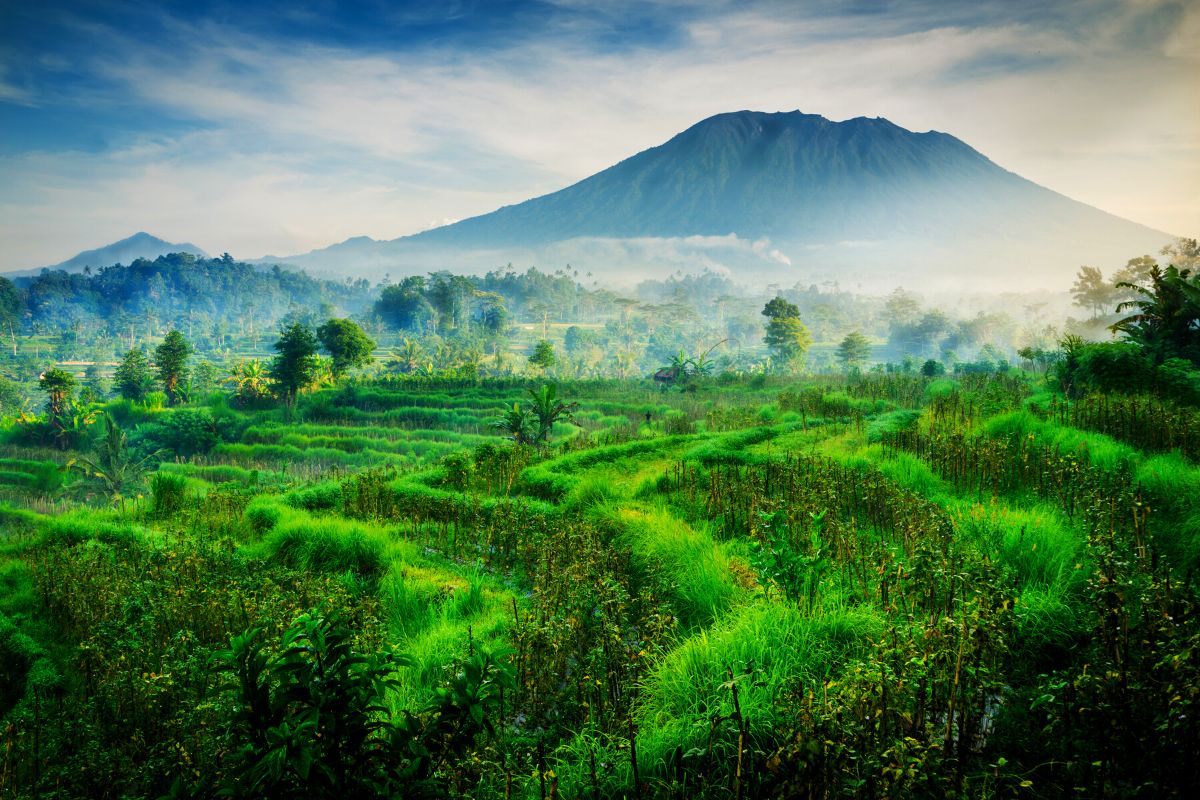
(170, 363)
(295, 367)
(347, 345)
(787, 338)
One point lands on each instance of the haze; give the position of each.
(293, 126)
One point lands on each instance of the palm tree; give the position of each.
(323, 373)
(702, 364)
(1167, 322)
(549, 409)
(113, 465)
(408, 357)
(250, 380)
(516, 423)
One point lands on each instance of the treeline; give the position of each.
(210, 299)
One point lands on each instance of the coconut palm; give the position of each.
(250, 380)
(408, 357)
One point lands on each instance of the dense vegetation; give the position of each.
(317, 576)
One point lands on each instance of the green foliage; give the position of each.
(1167, 319)
(787, 338)
(294, 368)
(855, 585)
(312, 718)
(347, 344)
(403, 305)
(58, 386)
(543, 355)
(170, 364)
(132, 378)
(168, 494)
(329, 545)
(187, 432)
(113, 468)
(854, 350)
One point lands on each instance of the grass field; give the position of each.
(889, 586)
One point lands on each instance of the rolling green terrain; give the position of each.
(876, 586)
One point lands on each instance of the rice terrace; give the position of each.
(784, 458)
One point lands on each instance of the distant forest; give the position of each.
(207, 298)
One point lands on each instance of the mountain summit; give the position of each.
(787, 175)
(127, 250)
(780, 196)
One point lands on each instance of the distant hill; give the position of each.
(126, 251)
(783, 196)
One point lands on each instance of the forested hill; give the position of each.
(182, 289)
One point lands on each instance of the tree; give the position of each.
(516, 423)
(1091, 291)
(549, 409)
(204, 377)
(250, 380)
(408, 358)
(10, 309)
(901, 307)
(493, 315)
(933, 368)
(403, 306)
(347, 344)
(113, 465)
(854, 350)
(132, 378)
(576, 339)
(58, 386)
(1167, 322)
(294, 369)
(1183, 254)
(543, 355)
(170, 363)
(786, 337)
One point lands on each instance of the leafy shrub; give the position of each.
(1113, 367)
(264, 513)
(327, 545)
(168, 494)
(319, 497)
(186, 432)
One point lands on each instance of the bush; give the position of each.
(327, 545)
(1177, 379)
(186, 432)
(264, 513)
(933, 368)
(1113, 367)
(168, 494)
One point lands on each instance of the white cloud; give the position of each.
(304, 146)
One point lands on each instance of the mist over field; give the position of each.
(610, 400)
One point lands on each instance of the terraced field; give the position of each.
(753, 589)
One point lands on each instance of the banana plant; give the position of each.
(113, 465)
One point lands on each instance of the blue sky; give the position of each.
(277, 128)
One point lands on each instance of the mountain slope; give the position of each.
(792, 177)
(862, 196)
(140, 245)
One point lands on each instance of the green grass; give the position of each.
(686, 564)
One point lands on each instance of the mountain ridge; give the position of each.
(862, 195)
(123, 251)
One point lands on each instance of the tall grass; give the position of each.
(686, 563)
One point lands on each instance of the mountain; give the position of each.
(140, 245)
(785, 197)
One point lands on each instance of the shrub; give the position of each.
(168, 494)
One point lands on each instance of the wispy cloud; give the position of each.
(289, 136)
